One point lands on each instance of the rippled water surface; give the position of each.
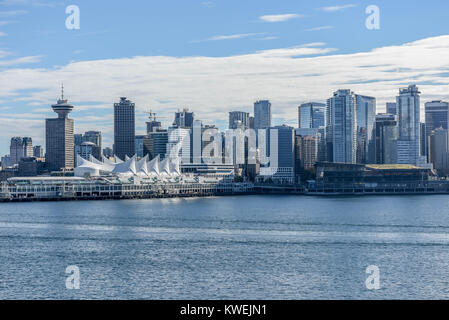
(250, 247)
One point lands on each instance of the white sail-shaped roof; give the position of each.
(94, 160)
(175, 169)
(81, 161)
(141, 166)
(86, 168)
(153, 167)
(127, 167)
(127, 158)
(168, 168)
(164, 168)
(104, 166)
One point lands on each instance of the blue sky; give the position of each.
(116, 29)
(212, 56)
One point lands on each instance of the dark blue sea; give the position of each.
(248, 247)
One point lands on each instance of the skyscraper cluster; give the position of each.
(354, 133)
(343, 129)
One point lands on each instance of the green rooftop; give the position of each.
(391, 166)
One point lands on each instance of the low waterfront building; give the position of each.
(374, 178)
(78, 188)
(215, 170)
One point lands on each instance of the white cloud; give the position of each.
(213, 86)
(280, 17)
(321, 28)
(19, 61)
(267, 38)
(35, 3)
(338, 8)
(13, 13)
(231, 37)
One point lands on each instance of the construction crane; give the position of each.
(152, 115)
(153, 123)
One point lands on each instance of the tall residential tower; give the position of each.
(312, 115)
(124, 128)
(409, 142)
(59, 137)
(341, 132)
(262, 114)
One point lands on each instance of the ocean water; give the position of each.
(246, 247)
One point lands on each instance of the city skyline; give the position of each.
(265, 54)
(168, 122)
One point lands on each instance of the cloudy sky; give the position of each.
(210, 56)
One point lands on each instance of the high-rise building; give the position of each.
(27, 147)
(202, 137)
(312, 115)
(184, 119)
(239, 120)
(16, 150)
(437, 116)
(78, 139)
(139, 146)
(391, 108)
(306, 149)
(366, 139)
(262, 114)
(20, 148)
(155, 144)
(93, 148)
(38, 152)
(409, 142)
(94, 137)
(251, 122)
(87, 149)
(341, 131)
(423, 142)
(60, 137)
(179, 144)
(440, 151)
(124, 128)
(386, 136)
(281, 152)
(153, 125)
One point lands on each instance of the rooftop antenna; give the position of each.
(62, 91)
